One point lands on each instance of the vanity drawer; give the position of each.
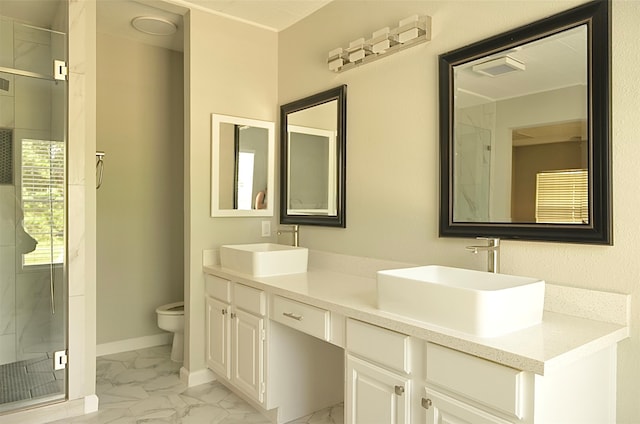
(249, 299)
(378, 344)
(302, 317)
(471, 376)
(217, 287)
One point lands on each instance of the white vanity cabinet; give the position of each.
(290, 352)
(443, 409)
(235, 334)
(289, 374)
(218, 338)
(378, 373)
(465, 389)
(500, 389)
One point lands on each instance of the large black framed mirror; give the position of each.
(525, 132)
(313, 159)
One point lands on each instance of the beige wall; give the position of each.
(392, 148)
(230, 69)
(140, 204)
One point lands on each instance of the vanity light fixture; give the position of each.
(337, 59)
(358, 50)
(411, 31)
(499, 66)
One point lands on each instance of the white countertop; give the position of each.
(558, 340)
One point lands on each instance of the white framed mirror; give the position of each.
(242, 166)
(312, 171)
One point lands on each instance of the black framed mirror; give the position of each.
(525, 132)
(313, 159)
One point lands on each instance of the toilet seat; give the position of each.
(176, 308)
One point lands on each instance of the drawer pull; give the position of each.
(399, 390)
(293, 316)
(426, 403)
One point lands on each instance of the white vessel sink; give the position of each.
(474, 302)
(264, 259)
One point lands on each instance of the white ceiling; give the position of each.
(114, 16)
(273, 14)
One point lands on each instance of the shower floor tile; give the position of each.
(144, 386)
(29, 379)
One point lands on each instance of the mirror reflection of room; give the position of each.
(312, 160)
(243, 166)
(520, 121)
(549, 179)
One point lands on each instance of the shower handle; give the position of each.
(99, 168)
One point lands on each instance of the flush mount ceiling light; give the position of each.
(153, 25)
(499, 66)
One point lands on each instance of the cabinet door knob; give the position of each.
(426, 403)
(224, 312)
(399, 390)
(233, 315)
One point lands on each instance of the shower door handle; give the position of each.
(52, 288)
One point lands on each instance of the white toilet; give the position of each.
(171, 318)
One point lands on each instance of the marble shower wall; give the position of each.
(474, 138)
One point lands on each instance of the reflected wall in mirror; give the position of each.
(313, 148)
(524, 127)
(242, 166)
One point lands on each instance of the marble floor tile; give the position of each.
(143, 386)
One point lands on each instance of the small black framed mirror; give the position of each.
(525, 132)
(313, 159)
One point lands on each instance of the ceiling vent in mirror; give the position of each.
(153, 25)
(499, 66)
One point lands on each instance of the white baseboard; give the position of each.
(90, 404)
(133, 344)
(196, 378)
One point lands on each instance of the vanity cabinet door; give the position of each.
(248, 353)
(375, 395)
(443, 409)
(218, 336)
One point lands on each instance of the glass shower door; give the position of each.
(33, 310)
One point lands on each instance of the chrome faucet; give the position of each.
(295, 230)
(493, 252)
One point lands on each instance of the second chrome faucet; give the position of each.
(493, 252)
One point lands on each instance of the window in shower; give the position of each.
(43, 199)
